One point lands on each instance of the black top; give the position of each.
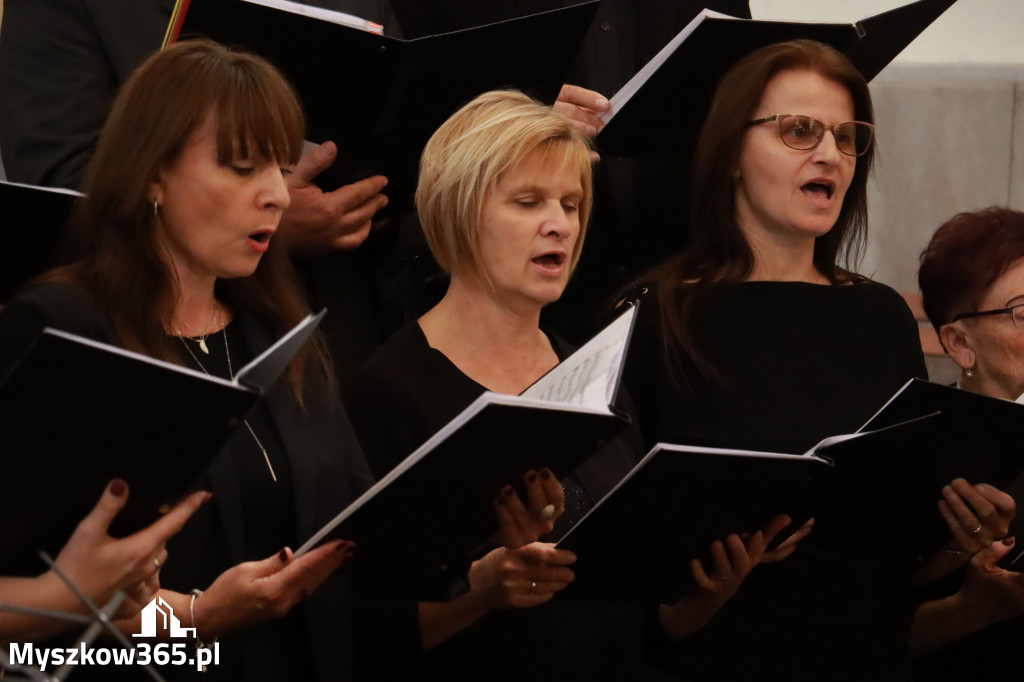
(316, 458)
(400, 397)
(795, 363)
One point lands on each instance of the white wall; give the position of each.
(969, 32)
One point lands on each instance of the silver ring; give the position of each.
(547, 513)
(533, 586)
(156, 562)
(975, 531)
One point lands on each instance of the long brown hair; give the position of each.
(718, 251)
(112, 243)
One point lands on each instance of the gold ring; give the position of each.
(533, 586)
(547, 513)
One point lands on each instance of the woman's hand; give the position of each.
(731, 562)
(521, 524)
(521, 578)
(977, 515)
(993, 593)
(503, 579)
(258, 591)
(989, 594)
(787, 546)
(100, 565)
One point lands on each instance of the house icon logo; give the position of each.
(158, 611)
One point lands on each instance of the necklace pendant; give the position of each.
(202, 346)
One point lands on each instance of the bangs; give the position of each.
(259, 116)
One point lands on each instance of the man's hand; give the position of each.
(316, 221)
(583, 107)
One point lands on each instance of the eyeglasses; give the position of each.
(1016, 313)
(853, 138)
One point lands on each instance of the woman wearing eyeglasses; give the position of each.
(972, 282)
(756, 337)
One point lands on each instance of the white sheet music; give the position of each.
(589, 376)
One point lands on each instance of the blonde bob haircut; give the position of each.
(467, 157)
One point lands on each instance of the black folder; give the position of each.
(380, 98)
(638, 541)
(874, 492)
(34, 219)
(419, 527)
(76, 413)
(664, 117)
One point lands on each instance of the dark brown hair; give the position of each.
(718, 252)
(965, 256)
(113, 245)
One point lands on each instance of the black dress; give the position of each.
(401, 396)
(794, 363)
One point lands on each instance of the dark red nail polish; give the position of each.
(507, 491)
(545, 474)
(118, 487)
(283, 556)
(1008, 541)
(531, 477)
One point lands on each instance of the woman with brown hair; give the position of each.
(758, 338)
(172, 256)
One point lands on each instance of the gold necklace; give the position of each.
(201, 339)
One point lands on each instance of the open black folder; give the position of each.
(876, 489)
(420, 525)
(34, 219)
(76, 413)
(660, 111)
(380, 98)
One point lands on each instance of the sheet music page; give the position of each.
(634, 84)
(589, 376)
(323, 14)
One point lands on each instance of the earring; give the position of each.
(969, 372)
(156, 209)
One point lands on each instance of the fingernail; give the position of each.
(507, 491)
(499, 501)
(283, 556)
(545, 474)
(1008, 541)
(207, 497)
(601, 103)
(118, 487)
(531, 477)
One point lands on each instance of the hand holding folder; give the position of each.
(424, 522)
(380, 98)
(76, 413)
